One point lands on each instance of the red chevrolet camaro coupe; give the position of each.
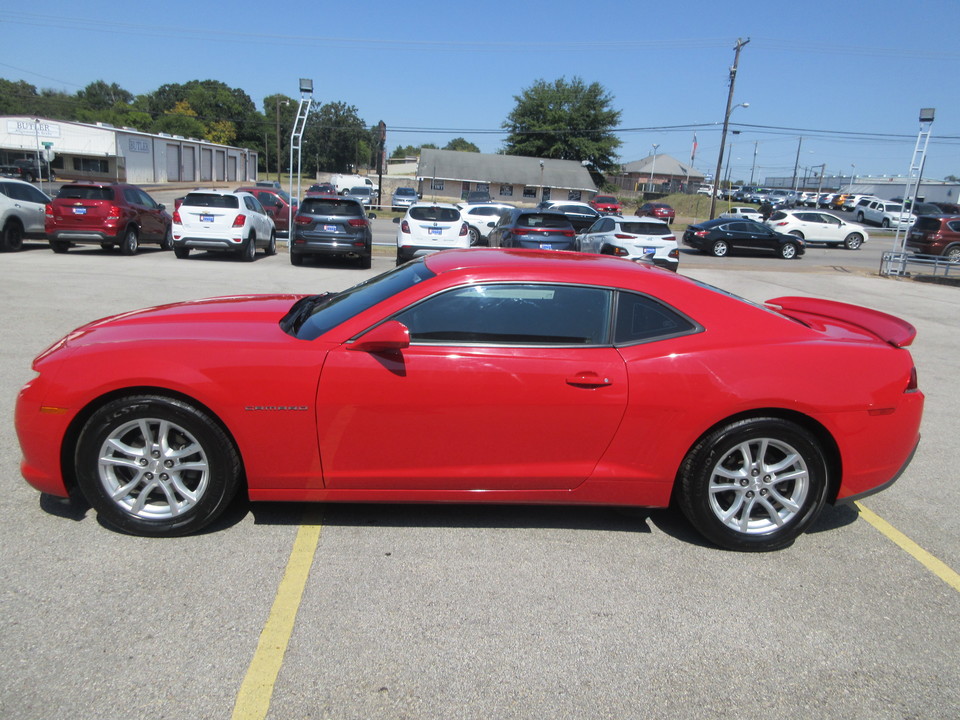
(482, 375)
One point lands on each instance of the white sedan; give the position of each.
(632, 237)
(751, 213)
(480, 218)
(226, 221)
(819, 227)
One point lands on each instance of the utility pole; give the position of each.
(726, 123)
(796, 164)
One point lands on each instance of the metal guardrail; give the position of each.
(900, 263)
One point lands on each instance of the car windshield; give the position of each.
(311, 317)
(211, 200)
(85, 192)
(363, 190)
(645, 228)
(435, 214)
(605, 199)
(406, 192)
(330, 206)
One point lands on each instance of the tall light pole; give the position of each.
(754, 166)
(653, 165)
(726, 124)
(853, 175)
(285, 102)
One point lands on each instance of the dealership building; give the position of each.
(103, 152)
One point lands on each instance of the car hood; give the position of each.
(241, 318)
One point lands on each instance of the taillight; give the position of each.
(522, 231)
(239, 220)
(567, 233)
(463, 229)
(781, 224)
(357, 222)
(405, 227)
(302, 220)
(702, 233)
(48, 210)
(621, 236)
(913, 384)
(176, 218)
(114, 212)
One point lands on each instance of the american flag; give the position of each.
(693, 152)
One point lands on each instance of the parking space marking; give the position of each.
(256, 691)
(933, 564)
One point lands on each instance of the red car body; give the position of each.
(661, 211)
(275, 202)
(606, 204)
(359, 414)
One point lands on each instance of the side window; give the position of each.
(146, 200)
(527, 314)
(642, 319)
(131, 196)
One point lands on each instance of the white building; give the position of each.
(104, 152)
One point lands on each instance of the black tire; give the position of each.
(474, 236)
(759, 511)
(167, 242)
(248, 250)
(272, 245)
(296, 259)
(719, 248)
(853, 241)
(860, 217)
(130, 475)
(12, 236)
(106, 247)
(953, 254)
(365, 261)
(885, 223)
(789, 251)
(130, 241)
(28, 176)
(59, 246)
(181, 252)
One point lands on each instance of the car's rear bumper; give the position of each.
(342, 246)
(84, 237)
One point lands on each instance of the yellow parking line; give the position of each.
(933, 564)
(253, 699)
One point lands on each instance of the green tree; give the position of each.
(461, 145)
(100, 96)
(17, 98)
(411, 150)
(213, 102)
(565, 121)
(335, 139)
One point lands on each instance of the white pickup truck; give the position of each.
(344, 183)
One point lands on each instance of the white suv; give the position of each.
(429, 227)
(22, 213)
(219, 220)
(885, 214)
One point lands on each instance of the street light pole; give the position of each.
(726, 123)
(285, 102)
(653, 165)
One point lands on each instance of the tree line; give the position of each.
(560, 119)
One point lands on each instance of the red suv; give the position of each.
(936, 235)
(606, 204)
(106, 214)
(277, 204)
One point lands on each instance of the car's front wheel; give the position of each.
(720, 248)
(12, 236)
(156, 466)
(754, 484)
(788, 251)
(853, 241)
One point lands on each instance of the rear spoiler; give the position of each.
(888, 328)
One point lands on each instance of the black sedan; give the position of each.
(720, 236)
(538, 229)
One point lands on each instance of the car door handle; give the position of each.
(588, 379)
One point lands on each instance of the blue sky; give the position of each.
(849, 78)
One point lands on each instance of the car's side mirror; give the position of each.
(391, 335)
(397, 220)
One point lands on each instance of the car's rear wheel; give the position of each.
(953, 254)
(720, 248)
(181, 252)
(885, 223)
(167, 242)
(248, 251)
(156, 466)
(106, 247)
(296, 259)
(853, 241)
(12, 236)
(474, 236)
(59, 246)
(130, 242)
(365, 261)
(754, 484)
(796, 233)
(859, 217)
(788, 251)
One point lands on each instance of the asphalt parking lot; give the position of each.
(472, 612)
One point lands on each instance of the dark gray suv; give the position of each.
(331, 226)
